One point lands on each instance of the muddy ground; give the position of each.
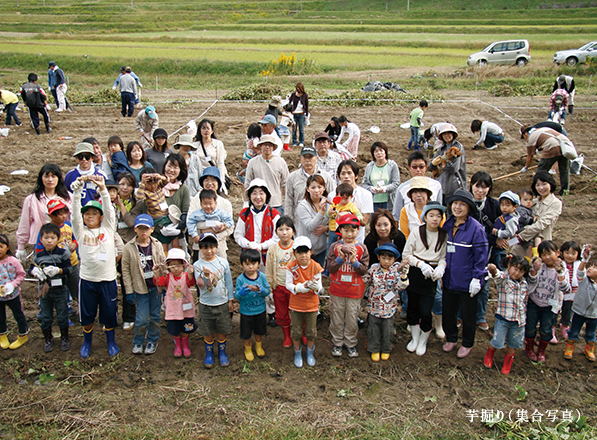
(427, 396)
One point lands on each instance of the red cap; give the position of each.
(54, 205)
(347, 219)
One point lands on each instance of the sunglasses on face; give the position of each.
(84, 156)
(418, 167)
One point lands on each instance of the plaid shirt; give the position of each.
(383, 282)
(330, 164)
(512, 298)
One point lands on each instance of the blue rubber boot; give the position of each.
(86, 347)
(113, 349)
(208, 362)
(224, 361)
(298, 357)
(310, 357)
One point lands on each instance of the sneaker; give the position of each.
(70, 323)
(137, 349)
(151, 348)
(337, 351)
(552, 172)
(352, 352)
(493, 147)
(360, 322)
(128, 325)
(459, 323)
(301, 145)
(19, 125)
(475, 147)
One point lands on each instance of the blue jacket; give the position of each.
(251, 303)
(466, 256)
(119, 165)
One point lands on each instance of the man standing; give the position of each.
(135, 77)
(52, 87)
(327, 159)
(272, 169)
(417, 166)
(297, 180)
(146, 122)
(566, 82)
(547, 142)
(35, 98)
(59, 86)
(268, 127)
(128, 91)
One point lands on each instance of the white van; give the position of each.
(502, 52)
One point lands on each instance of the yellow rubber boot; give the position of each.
(385, 356)
(569, 349)
(590, 351)
(249, 353)
(20, 341)
(4, 344)
(375, 357)
(259, 349)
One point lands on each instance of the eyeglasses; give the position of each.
(84, 156)
(418, 167)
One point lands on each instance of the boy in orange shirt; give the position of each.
(303, 280)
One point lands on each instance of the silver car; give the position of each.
(502, 52)
(575, 56)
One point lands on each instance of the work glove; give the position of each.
(301, 288)
(21, 255)
(130, 298)
(524, 169)
(77, 185)
(438, 272)
(254, 246)
(170, 231)
(474, 287)
(426, 269)
(37, 272)
(9, 289)
(585, 254)
(51, 271)
(113, 87)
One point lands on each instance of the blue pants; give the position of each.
(382, 205)
(414, 138)
(17, 311)
(128, 103)
(299, 120)
(57, 297)
(577, 323)
(482, 298)
(493, 139)
(148, 317)
(542, 316)
(102, 295)
(10, 113)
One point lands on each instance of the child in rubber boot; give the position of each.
(572, 255)
(510, 316)
(303, 280)
(278, 257)
(385, 279)
(251, 289)
(52, 266)
(216, 295)
(11, 277)
(179, 301)
(584, 307)
(141, 255)
(347, 262)
(548, 282)
(425, 251)
(94, 226)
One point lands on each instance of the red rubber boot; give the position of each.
(488, 362)
(507, 363)
(529, 348)
(287, 340)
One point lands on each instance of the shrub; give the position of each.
(290, 66)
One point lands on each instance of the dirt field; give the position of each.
(159, 396)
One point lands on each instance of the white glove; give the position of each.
(254, 246)
(524, 169)
(438, 272)
(9, 289)
(301, 288)
(77, 185)
(582, 258)
(426, 269)
(474, 287)
(170, 231)
(113, 87)
(140, 85)
(51, 271)
(21, 255)
(37, 272)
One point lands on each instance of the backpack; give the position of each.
(33, 95)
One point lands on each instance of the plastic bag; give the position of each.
(576, 164)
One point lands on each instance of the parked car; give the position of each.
(502, 52)
(575, 56)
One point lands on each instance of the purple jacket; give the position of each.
(466, 256)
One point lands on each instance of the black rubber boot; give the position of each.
(49, 344)
(64, 339)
